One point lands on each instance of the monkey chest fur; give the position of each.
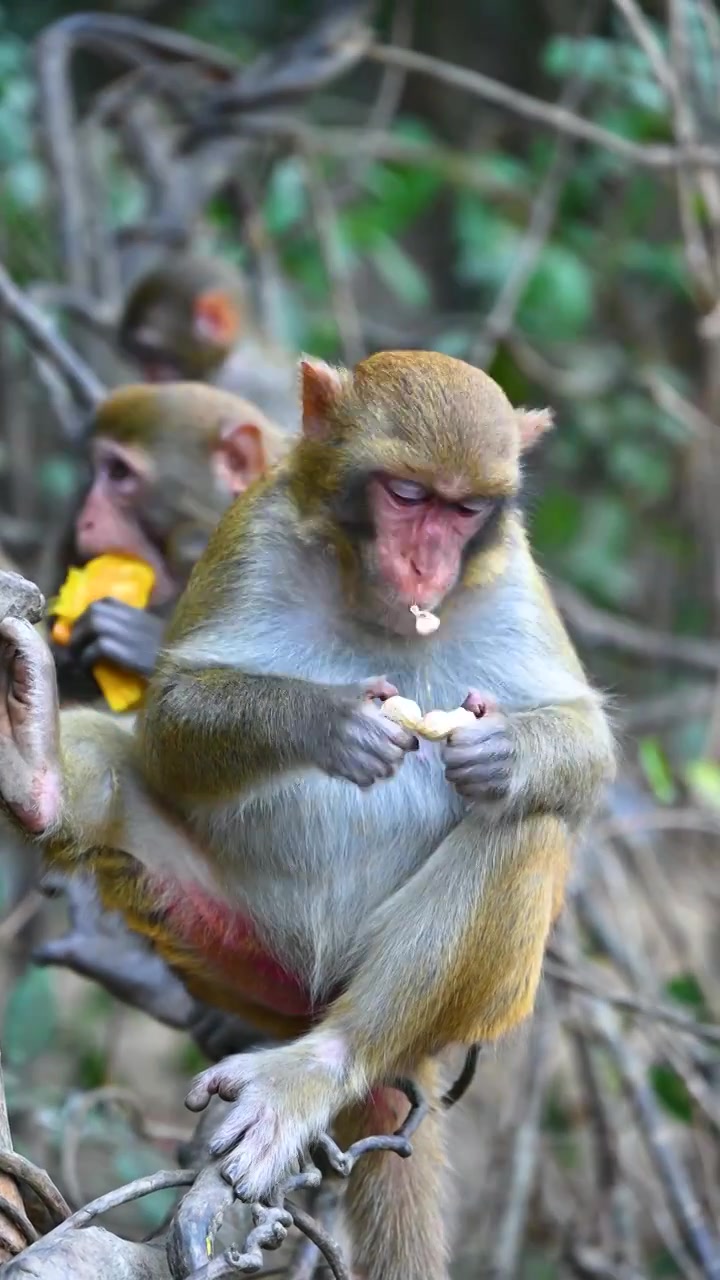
(306, 857)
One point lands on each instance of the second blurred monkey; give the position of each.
(165, 463)
(191, 318)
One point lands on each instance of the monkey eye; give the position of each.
(120, 474)
(472, 506)
(406, 490)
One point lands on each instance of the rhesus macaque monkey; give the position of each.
(326, 873)
(191, 318)
(166, 461)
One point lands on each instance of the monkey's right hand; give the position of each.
(111, 631)
(359, 743)
(30, 776)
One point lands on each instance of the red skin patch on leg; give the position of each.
(229, 944)
(387, 1110)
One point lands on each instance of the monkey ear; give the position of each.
(216, 319)
(533, 424)
(238, 457)
(320, 387)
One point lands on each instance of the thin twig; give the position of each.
(42, 337)
(347, 316)
(160, 1181)
(669, 399)
(633, 1004)
(655, 156)
(526, 1150)
(321, 1239)
(499, 319)
(599, 626)
(681, 1199)
(20, 915)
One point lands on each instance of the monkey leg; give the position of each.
(456, 954)
(394, 1207)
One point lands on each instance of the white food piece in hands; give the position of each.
(435, 726)
(425, 621)
(403, 711)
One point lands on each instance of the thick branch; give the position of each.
(47, 343)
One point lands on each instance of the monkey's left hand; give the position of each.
(480, 760)
(112, 631)
(284, 1098)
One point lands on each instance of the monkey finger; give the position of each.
(480, 792)
(481, 704)
(207, 1084)
(482, 753)
(235, 1127)
(492, 775)
(484, 730)
(105, 649)
(397, 736)
(379, 687)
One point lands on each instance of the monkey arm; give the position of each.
(454, 956)
(563, 755)
(206, 734)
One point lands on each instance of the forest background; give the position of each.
(533, 185)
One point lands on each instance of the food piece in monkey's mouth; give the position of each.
(434, 725)
(425, 621)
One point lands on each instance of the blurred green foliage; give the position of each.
(613, 251)
(428, 247)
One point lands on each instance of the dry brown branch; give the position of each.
(37, 1181)
(598, 626)
(526, 1149)
(669, 399)
(15, 1229)
(687, 1212)
(20, 915)
(347, 316)
(75, 1118)
(500, 318)
(125, 40)
(47, 343)
(574, 384)
(653, 156)
(569, 977)
(160, 1181)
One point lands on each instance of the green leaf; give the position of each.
(657, 770)
(556, 519)
(401, 275)
(30, 1018)
(671, 1092)
(561, 286)
(703, 779)
(642, 468)
(286, 200)
(685, 989)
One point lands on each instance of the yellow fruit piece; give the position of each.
(123, 578)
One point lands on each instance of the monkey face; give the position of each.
(421, 537)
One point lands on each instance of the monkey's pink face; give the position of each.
(420, 536)
(110, 519)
